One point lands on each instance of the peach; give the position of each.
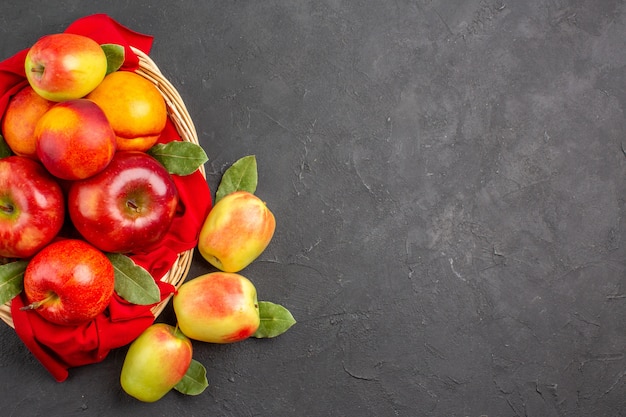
(135, 108)
(23, 112)
(75, 140)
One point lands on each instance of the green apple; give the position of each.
(236, 231)
(218, 307)
(65, 66)
(155, 362)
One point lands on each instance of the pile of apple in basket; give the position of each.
(79, 149)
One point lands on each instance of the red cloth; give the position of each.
(59, 348)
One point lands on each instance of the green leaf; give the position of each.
(275, 320)
(132, 282)
(4, 148)
(194, 382)
(179, 157)
(115, 56)
(11, 280)
(241, 176)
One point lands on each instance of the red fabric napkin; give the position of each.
(59, 348)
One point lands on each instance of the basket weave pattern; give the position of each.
(181, 119)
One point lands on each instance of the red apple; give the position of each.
(75, 139)
(127, 207)
(32, 207)
(236, 231)
(65, 66)
(69, 282)
(155, 362)
(23, 112)
(218, 307)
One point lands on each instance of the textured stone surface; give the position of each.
(448, 181)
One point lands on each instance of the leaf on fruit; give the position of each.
(115, 56)
(5, 150)
(275, 320)
(241, 176)
(11, 280)
(194, 382)
(132, 282)
(179, 157)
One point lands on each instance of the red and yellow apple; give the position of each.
(32, 207)
(23, 112)
(155, 362)
(127, 207)
(75, 140)
(65, 66)
(69, 282)
(236, 231)
(218, 307)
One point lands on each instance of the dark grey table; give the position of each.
(448, 180)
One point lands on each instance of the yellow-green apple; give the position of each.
(69, 282)
(128, 206)
(236, 231)
(32, 207)
(65, 66)
(218, 307)
(23, 112)
(75, 139)
(155, 362)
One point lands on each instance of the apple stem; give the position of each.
(8, 208)
(177, 330)
(131, 204)
(36, 304)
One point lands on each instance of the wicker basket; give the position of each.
(184, 125)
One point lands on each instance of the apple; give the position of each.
(65, 66)
(23, 112)
(236, 231)
(127, 207)
(75, 139)
(69, 282)
(218, 307)
(155, 362)
(32, 207)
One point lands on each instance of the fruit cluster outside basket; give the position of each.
(181, 119)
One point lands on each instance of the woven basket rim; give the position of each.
(179, 115)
